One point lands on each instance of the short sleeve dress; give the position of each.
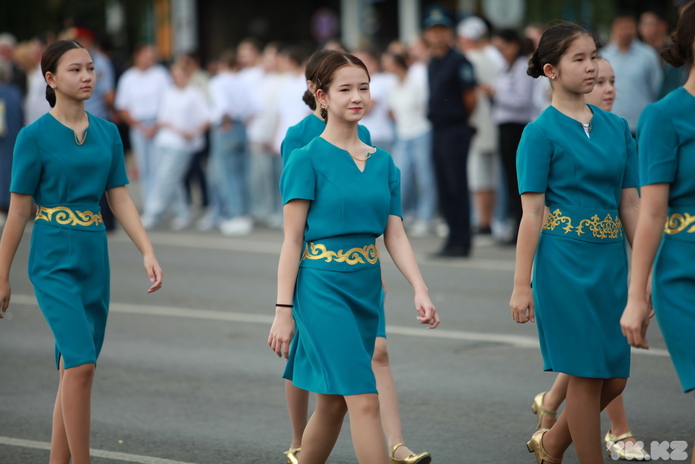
(338, 290)
(666, 140)
(304, 132)
(580, 268)
(68, 259)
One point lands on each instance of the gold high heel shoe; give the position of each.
(622, 451)
(539, 410)
(535, 445)
(292, 455)
(422, 458)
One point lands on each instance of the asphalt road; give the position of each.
(186, 376)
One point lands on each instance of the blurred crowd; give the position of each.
(204, 139)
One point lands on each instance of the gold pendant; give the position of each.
(77, 139)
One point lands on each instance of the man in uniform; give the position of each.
(452, 99)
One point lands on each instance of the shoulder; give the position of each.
(540, 129)
(103, 126)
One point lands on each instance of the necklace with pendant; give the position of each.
(369, 155)
(79, 141)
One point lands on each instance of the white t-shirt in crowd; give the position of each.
(35, 103)
(261, 127)
(377, 119)
(186, 109)
(289, 106)
(139, 92)
(486, 71)
(407, 101)
(230, 95)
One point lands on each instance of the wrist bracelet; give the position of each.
(284, 305)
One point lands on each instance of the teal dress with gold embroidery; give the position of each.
(580, 267)
(68, 260)
(666, 139)
(338, 289)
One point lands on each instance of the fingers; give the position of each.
(428, 315)
(279, 346)
(156, 277)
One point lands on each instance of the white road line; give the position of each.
(9, 441)
(519, 341)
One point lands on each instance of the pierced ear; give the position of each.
(50, 80)
(322, 97)
(550, 71)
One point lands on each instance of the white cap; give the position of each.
(7, 40)
(472, 28)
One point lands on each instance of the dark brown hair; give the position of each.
(49, 63)
(680, 51)
(312, 66)
(553, 44)
(327, 69)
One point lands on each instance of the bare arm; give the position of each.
(521, 303)
(650, 226)
(295, 214)
(629, 212)
(123, 208)
(17, 217)
(470, 99)
(402, 254)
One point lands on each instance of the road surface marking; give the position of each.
(9, 441)
(519, 341)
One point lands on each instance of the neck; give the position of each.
(623, 46)
(439, 50)
(69, 112)
(572, 105)
(342, 134)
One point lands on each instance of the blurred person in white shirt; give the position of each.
(138, 96)
(265, 164)
(228, 165)
(35, 104)
(483, 156)
(289, 104)
(183, 117)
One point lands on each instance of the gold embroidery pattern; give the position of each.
(677, 222)
(608, 227)
(65, 216)
(352, 256)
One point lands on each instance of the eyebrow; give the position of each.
(80, 64)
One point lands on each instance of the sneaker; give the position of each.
(207, 222)
(242, 225)
(419, 229)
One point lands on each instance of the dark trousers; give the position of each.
(450, 158)
(509, 137)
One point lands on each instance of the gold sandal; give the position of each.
(292, 455)
(622, 451)
(422, 458)
(535, 445)
(539, 410)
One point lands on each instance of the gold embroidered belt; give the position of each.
(680, 224)
(585, 224)
(344, 253)
(80, 217)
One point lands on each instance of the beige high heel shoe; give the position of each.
(539, 410)
(621, 450)
(535, 445)
(422, 458)
(292, 455)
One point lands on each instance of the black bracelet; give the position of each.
(284, 306)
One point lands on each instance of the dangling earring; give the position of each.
(324, 107)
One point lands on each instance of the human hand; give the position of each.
(521, 304)
(281, 332)
(427, 313)
(4, 297)
(634, 323)
(154, 272)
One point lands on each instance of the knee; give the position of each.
(83, 374)
(331, 406)
(366, 405)
(381, 354)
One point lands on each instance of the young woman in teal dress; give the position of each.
(299, 136)
(546, 404)
(64, 162)
(340, 195)
(580, 162)
(666, 140)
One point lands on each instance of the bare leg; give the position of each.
(297, 406)
(365, 427)
(388, 399)
(580, 422)
(554, 398)
(323, 429)
(485, 204)
(616, 414)
(76, 397)
(60, 451)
